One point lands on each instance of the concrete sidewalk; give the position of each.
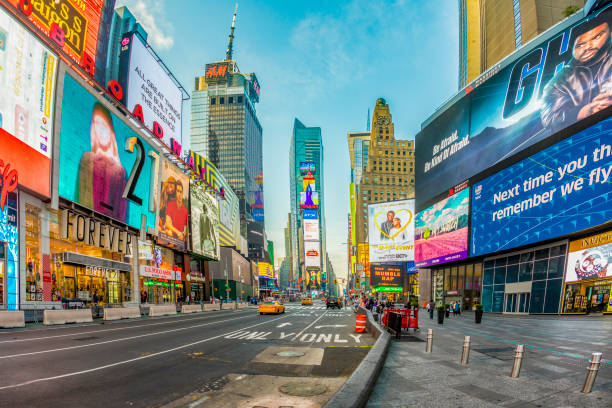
(553, 372)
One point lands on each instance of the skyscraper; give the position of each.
(123, 22)
(226, 130)
(382, 169)
(307, 206)
(489, 30)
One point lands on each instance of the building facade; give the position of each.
(489, 30)
(382, 169)
(307, 203)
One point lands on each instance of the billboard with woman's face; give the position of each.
(104, 164)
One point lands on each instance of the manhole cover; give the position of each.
(290, 354)
(303, 389)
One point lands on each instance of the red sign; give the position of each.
(71, 24)
(23, 165)
(216, 71)
(312, 252)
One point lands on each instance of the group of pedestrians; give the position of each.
(454, 308)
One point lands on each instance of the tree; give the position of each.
(569, 10)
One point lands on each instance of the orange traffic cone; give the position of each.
(360, 323)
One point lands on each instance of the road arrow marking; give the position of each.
(284, 324)
(330, 325)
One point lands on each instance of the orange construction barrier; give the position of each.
(360, 323)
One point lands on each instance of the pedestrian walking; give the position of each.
(457, 308)
(430, 309)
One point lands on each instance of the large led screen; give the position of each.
(590, 258)
(173, 207)
(386, 275)
(309, 199)
(391, 231)
(76, 23)
(441, 231)
(560, 80)
(312, 254)
(148, 85)
(560, 190)
(204, 222)
(311, 230)
(103, 164)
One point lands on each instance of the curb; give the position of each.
(356, 390)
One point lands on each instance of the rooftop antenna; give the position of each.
(368, 123)
(228, 53)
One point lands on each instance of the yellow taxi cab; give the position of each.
(307, 301)
(323, 299)
(271, 307)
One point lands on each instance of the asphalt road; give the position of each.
(155, 361)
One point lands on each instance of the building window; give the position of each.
(230, 99)
(240, 99)
(34, 273)
(221, 101)
(213, 101)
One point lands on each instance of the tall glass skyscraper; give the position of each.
(306, 186)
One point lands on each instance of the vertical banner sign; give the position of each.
(204, 222)
(9, 233)
(103, 164)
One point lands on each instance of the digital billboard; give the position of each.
(312, 255)
(391, 231)
(590, 258)
(386, 275)
(555, 83)
(173, 207)
(309, 199)
(204, 222)
(147, 85)
(311, 230)
(560, 190)
(265, 270)
(68, 22)
(310, 214)
(441, 231)
(103, 164)
(28, 98)
(229, 205)
(307, 167)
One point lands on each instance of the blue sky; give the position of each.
(324, 62)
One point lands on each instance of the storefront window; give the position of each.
(156, 273)
(33, 278)
(447, 279)
(469, 273)
(88, 280)
(460, 277)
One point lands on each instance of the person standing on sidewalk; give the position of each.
(457, 308)
(430, 308)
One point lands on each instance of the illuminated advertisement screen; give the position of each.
(590, 258)
(9, 234)
(265, 270)
(311, 230)
(145, 83)
(528, 100)
(104, 165)
(309, 199)
(204, 222)
(386, 275)
(307, 167)
(78, 20)
(441, 231)
(560, 190)
(312, 255)
(391, 231)
(310, 214)
(173, 208)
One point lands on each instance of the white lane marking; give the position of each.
(176, 319)
(132, 359)
(283, 335)
(356, 337)
(284, 324)
(197, 402)
(116, 340)
(337, 339)
(330, 325)
(305, 328)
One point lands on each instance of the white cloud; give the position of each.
(151, 16)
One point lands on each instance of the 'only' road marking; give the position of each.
(304, 338)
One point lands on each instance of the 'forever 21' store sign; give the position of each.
(92, 232)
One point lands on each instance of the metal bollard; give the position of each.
(429, 344)
(592, 373)
(518, 360)
(465, 355)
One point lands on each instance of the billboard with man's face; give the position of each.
(564, 78)
(391, 231)
(204, 222)
(173, 208)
